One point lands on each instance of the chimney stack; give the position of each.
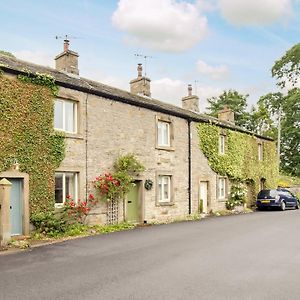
(67, 61)
(191, 102)
(226, 114)
(140, 85)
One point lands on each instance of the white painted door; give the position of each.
(203, 194)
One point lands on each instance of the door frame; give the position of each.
(15, 174)
(140, 202)
(207, 194)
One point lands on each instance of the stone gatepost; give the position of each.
(5, 227)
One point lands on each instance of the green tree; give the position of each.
(288, 109)
(290, 153)
(7, 54)
(237, 102)
(287, 68)
(261, 122)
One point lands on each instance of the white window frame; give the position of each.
(222, 188)
(162, 127)
(63, 101)
(222, 139)
(75, 196)
(161, 192)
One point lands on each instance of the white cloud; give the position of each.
(207, 5)
(255, 12)
(214, 72)
(166, 25)
(172, 91)
(37, 57)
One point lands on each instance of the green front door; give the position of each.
(16, 206)
(133, 204)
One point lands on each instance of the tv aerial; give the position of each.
(145, 57)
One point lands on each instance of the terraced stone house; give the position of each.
(101, 122)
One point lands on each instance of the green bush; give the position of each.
(48, 223)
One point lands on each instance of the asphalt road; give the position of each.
(253, 256)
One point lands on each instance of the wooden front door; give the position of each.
(203, 191)
(16, 209)
(133, 204)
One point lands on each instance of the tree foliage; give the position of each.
(287, 68)
(7, 54)
(235, 101)
(288, 107)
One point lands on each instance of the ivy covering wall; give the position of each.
(240, 161)
(26, 134)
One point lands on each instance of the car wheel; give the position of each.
(297, 206)
(282, 205)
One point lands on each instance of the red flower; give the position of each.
(68, 196)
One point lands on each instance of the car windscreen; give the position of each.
(267, 194)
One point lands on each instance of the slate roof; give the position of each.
(16, 66)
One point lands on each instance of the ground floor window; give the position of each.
(66, 184)
(164, 189)
(221, 188)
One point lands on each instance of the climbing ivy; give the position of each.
(26, 122)
(39, 79)
(240, 161)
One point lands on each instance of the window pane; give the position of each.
(221, 188)
(58, 114)
(69, 116)
(166, 134)
(58, 188)
(159, 133)
(159, 188)
(163, 133)
(70, 185)
(166, 188)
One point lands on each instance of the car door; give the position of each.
(290, 200)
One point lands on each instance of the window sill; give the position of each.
(74, 136)
(166, 148)
(70, 135)
(158, 204)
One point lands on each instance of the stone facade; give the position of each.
(111, 122)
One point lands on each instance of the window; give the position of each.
(66, 183)
(163, 134)
(65, 115)
(260, 151)
(222, 188)
(222, 144)
(164, 189)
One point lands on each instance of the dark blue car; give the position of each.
(279, 198)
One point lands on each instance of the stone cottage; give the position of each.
(101, 122)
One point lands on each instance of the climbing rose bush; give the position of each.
(77, 211)
(113, 186)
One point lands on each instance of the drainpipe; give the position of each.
(190, 166)
(86, 146)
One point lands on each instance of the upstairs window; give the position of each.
(65, 115)
(163, 134)
(66, 184)
(222, 139)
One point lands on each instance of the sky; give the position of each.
(215, 45)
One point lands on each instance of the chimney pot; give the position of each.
(67, 61)
(66, 45)
(190, 89)
(140, 85)
(140, 70)
(191, 102)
